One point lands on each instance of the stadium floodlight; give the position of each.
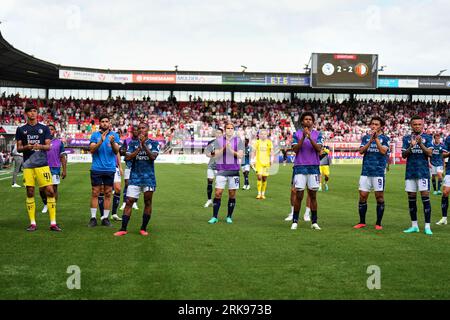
(243, 68)
(382, 68)
(441, 72)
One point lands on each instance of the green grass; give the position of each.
(257, 257)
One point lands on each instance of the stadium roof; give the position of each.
(19, 69)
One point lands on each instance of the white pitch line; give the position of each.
(10, 177)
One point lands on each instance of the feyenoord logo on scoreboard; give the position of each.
(361, 69)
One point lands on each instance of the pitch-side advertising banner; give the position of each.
(197, 79)
(155, 78)
(95, 76)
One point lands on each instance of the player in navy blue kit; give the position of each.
(437, 163)
(33, 140)
(142, 153)
(374, 147)
(416, 149)
(126, 174)
(444, 201)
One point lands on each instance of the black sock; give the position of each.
(434, 184)
(246, 178)
(209, 190)
(444, 206)
(427, 209)
(101, 201)
(231, 205)
(313, 216)
(380, 212)
(295, 216)
(145, 220)
(125, 194)
(412, 208)
(439, 184)
(116, 202)
(125, 220)
(43, 196)
(362, 206)
(216, 207)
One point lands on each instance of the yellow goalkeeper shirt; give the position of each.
(263, 150)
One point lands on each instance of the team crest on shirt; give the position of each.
(25, 132)
(40, 131)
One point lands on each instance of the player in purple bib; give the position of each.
(307, 144)
(56, 157)
(228, 150)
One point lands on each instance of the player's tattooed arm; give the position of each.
(42, 147)
(150, 154)
(364, 148)
(383, 149)
(427, 151)
(407, 152)
(132, 155)
(46, 146)
(22, 148)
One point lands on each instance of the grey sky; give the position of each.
(411, 37)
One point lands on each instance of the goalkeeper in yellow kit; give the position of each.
(262, 156)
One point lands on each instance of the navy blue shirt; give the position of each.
(36, 134)
(142, 167)
(210, 149)
(104, 159)
(374, 163)
(247, 151)
(128, 163)
(417, 161)
(436, 157)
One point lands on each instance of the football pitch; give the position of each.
(256, 257)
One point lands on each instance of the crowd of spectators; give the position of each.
(344, 121)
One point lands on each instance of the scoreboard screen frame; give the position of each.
(344, 71)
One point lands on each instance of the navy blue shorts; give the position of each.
(99, 178)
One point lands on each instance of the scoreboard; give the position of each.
(336, 70)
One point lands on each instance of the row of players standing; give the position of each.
(34, 140)
(418, 148)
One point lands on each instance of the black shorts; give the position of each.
(99, 178)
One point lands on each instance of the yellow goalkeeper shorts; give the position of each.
(325, 170)
(41, 174)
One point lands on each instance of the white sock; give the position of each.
(444, 218)
(93, 212)
(105, 214)
(262, 193)
(307, 211)
(292, 209)
(415, 224)
(427, 226)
